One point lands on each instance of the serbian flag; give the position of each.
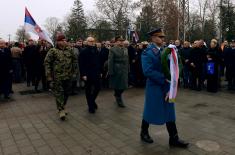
(174, 70)
(31, 26)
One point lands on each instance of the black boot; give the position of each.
(144, 135)
(174, 140)
(95, 105)
(36, 89)
(119, 101)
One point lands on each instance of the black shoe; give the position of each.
(198, 89)
(146, 138)
(37, 91)
(230, 88)
(92, 111)
(178, 143)
(6, 97)
(73, 93)
(95, 106)
(120, 102)
(121, 105)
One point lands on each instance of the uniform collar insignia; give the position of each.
(155, 50)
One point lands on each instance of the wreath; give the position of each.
(165, 63)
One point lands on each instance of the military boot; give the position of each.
(174, 140)
(144, 134)
(62, 115)
(119, 102)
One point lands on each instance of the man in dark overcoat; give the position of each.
(90, 71)
(6, 69)
(229, 60)
(118, 65)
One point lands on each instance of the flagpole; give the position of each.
(126, 33)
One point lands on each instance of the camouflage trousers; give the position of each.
(61, 91)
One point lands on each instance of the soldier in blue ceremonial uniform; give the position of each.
(157, 109)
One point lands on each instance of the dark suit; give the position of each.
(229, 57)
(187, 78)
(197, 57)
(29, 56)
(89, 64)
(5, 68)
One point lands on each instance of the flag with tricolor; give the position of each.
(31, 26)
(174, 70)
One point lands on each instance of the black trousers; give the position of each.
(40, 75)
(6, 85)
(74, 86)
(118, 92)
(197, 79)
(171, 128)
(29, 76)
(212, 83)
(36, 78)
(92, 88)
(231, 83)
(45, 85)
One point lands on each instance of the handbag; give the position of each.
(210, 68)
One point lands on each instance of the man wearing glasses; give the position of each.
(157, 109)
(60, 66)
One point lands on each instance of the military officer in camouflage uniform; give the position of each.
(60, 65)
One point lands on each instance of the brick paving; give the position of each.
(29, 125)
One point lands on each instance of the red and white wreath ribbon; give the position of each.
(174, 70)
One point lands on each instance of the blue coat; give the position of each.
(156, 109)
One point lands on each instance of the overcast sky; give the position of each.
(12, 12)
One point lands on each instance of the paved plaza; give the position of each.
(29, 124)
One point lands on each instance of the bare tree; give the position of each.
(195, 26)
(213, 8)
(93, 18)
(21, 35)
(116, 11)
(52, 24)
(203, 8)
(169, 16)
(158, 13)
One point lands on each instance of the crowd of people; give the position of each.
(204, 66)
(117, 64)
